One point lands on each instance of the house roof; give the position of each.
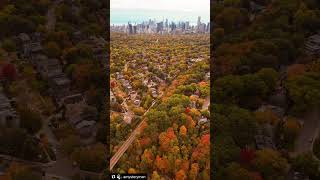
(24, 37)
(61, 80)
(83, 124)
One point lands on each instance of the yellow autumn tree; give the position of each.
(183, 130)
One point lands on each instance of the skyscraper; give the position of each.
(199, 21)
(166, 24)
(187, 25)
(130, 31)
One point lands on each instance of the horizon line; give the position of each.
(157, 9)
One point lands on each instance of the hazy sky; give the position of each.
(123, 11)
(176, 5)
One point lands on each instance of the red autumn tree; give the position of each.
(247, 156)
(145, 141)
(187, 110)
(113, 84)
(9, 72)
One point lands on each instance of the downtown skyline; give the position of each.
(164, 26)
(136, 11)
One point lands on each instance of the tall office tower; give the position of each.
(199, 21)
(208, 27)
(187, 25)
(183, 26)
(203, 27)
(173, 26)
(166, 24)
(130, 28)
(159, 26)
(134, 29)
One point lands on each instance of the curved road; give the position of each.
(309, 132)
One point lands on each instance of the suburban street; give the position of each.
(309, 132)
(61, 168)
(51, 18)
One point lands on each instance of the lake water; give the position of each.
(122, 16)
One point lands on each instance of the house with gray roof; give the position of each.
(49, 68)
(8, 115)
(312, 44)
(82, 118)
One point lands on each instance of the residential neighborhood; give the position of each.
(159, 95)
(52, 76)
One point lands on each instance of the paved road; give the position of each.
(29, 163)
(308, 133)
(61, 168)
(51, 17)
(47, 131)
(115, 158)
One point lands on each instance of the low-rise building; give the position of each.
(202, 120)
(137, 102)
(60, 87)
(265, 137)
(82, 118)
(49, 68)
(8, 116)
(112, 97)
(154, 92)
(312, 44)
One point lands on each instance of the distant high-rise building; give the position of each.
(166, 24)
(163, 27)
(199, 21)
(130, 30)
(187, 25)
(159, 26)
(134, 29)
(183, 26)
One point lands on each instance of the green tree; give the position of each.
(30, 120)
(307, 165)
(271, 164)
(70, 143)
(9, 45)
(53, 50)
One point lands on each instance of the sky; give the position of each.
(137, 10)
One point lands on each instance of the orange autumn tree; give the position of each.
(194, 171)
(203, 149)
(295, 70)
(180, 175)
(166, 139)
(162, 164)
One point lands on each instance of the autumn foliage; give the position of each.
(8, 72)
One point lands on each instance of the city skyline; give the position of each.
(194, 21)
(136, 11)
(163, 26)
